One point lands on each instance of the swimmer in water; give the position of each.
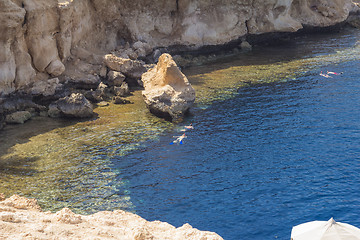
(178, 139)
(334, 73)
(189, 127)
(324, 75)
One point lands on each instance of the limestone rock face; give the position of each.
(320, 13)
(11, 18)
(22, 218)
(51, 36)
(74, 106)
(200, 22)
(168, 92)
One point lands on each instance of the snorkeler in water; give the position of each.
(334, 73)
(178, 139)
(186, 128)
(324, 75)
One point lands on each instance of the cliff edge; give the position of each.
(22, 218)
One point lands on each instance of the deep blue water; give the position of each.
(274, 156)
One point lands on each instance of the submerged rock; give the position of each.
(120, 100)
(18, 117)
(2, 120)
(103, 104)
(73, 106)
(168, 92)
(245, 46)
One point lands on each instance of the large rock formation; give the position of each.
(73, 106)
(168, 92)
(22, 218)
(43, 39)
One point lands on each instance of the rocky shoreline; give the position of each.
(88, 54)
(119, 74)
(62, 58)
(22, 218)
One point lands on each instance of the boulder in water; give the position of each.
(120, 100)
(18, 117)
(73, 106)
(122, 91)
(115, 78)
(168, 92)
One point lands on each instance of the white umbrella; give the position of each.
(325, 230)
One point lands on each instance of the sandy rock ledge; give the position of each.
(22, 218)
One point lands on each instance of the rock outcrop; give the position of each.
(22, 218)
(73, 106)
(68, 39)
(168, 92)
(130, 68)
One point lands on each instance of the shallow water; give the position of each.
(274, 145)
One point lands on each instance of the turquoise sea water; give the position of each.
(274, 145)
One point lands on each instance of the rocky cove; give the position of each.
(50, 49)
(54, 49)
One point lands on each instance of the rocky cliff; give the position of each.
(43, 39)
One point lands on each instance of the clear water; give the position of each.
(274, 145)
(274, 156)
(270, 157)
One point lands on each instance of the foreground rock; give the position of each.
(22, 218)
(168, 92)
(74, 106)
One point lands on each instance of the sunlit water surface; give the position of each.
(274, 145)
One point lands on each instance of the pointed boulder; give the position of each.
(168, 92)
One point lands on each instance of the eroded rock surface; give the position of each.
(58, 38)
(22, 218)
(73, 106)
(168, 92)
